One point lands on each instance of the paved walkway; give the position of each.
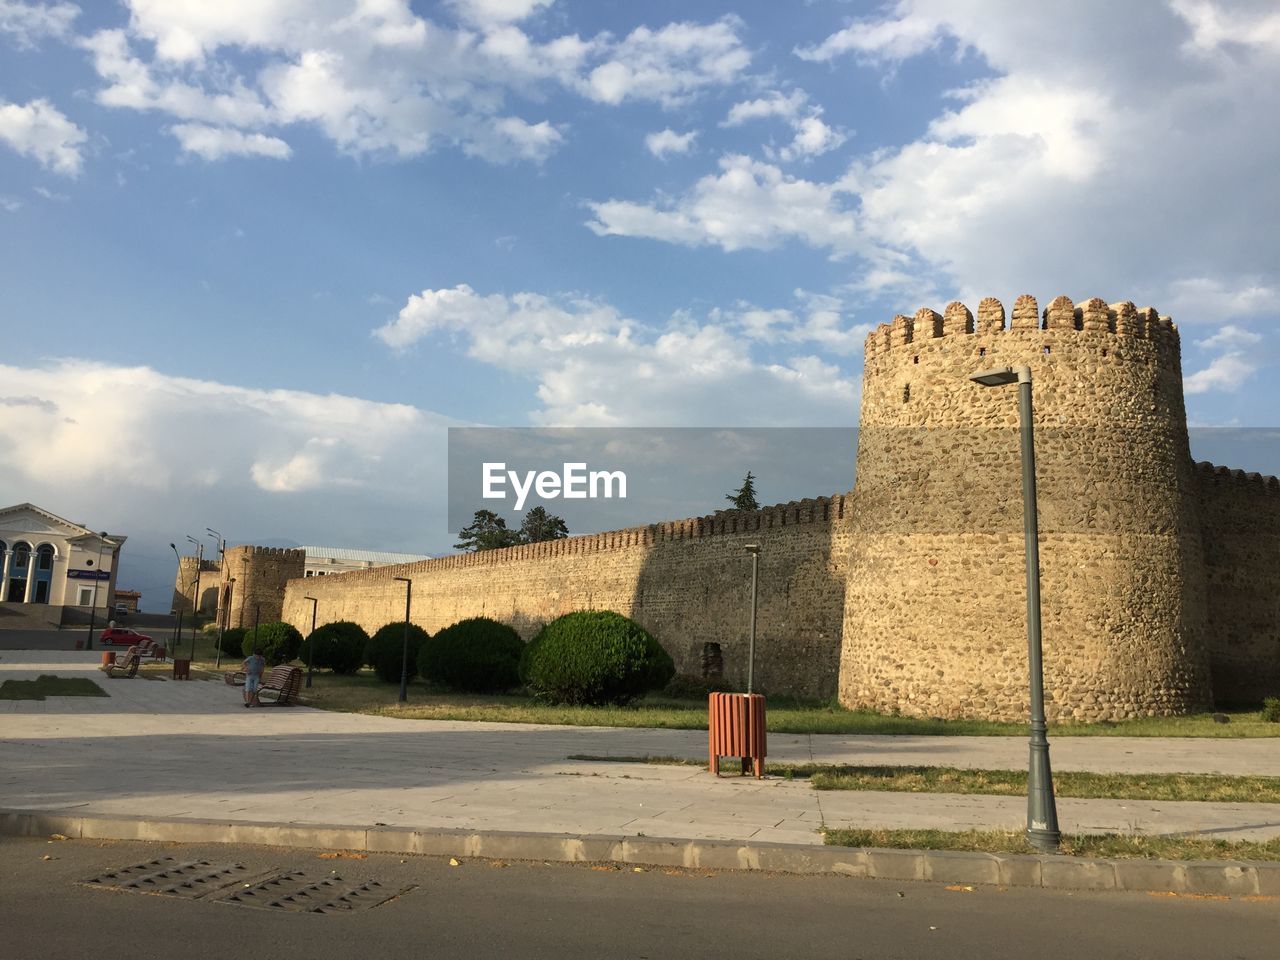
(169, 749)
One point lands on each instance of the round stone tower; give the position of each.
(935, 606)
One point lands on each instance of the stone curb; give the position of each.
(1205, 877)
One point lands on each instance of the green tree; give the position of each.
(745, 498)
(539, 525)
(487, 531)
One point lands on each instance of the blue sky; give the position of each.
(258, 254)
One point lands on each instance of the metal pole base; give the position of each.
(1042, 808)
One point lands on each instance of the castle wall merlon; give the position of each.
(1026, 313)
(957, 319)
(990, 316)
(1060, 314)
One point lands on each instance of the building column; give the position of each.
(31, 576)
(4, 584)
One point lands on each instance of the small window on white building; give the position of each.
(309, 572)
(86, 596)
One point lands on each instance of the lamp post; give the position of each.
(1042, 812)
(231, 589)
(177, 637)
(217, 608)
(404, 656)
(195, 594)
(93, 609)
(311, 640)
(754, 550)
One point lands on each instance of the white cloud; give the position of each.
(286, 440)
(887, 38)
(28, 23)
(813, 138)
(667, 141)
(1230, 336)
(39, 130)
(1070, 164)
(375, 77)
(776, 104)
(215, 143)
(10, 204)
(596, 367)
(671, 64)
(1226, 373)
(748, 205)
(1215, 26)
(491, 13)
(818, 319)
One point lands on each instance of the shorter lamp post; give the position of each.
(1042, 811)
(177, 637)
(226, 615)
(311, 640)
(404, 656)
(93, 609)
(754, 550)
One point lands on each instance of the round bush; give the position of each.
(232, 638)
(279, 641)
(386, 650)
(339, 646)
(594, 657)
(478, 655)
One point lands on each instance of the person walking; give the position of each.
(253, 667)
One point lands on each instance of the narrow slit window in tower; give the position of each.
(982, 351)
(1046, 351)
(906, 393)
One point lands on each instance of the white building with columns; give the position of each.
(50, 563)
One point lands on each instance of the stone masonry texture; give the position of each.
(1160, 591)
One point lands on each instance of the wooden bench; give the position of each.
(283, 682)
(125, 669)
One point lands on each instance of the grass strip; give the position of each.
(47, 685)
(1200, 787)
(364, 693)
(1105, 846)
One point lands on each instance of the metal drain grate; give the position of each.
(298, 893)
(169, 877)
(236, 884)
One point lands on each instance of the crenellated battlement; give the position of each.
(1090, 316)
(815, 510)
(291, 553)
(1237, 480)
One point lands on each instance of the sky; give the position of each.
(258, 255)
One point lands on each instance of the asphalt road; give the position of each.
(481, 909)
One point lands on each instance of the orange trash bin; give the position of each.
(736, 728)
(108, 657)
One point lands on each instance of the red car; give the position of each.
(122, 637)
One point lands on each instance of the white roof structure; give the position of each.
(361, 556)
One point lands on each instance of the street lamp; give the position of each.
(754, 550)
(217, 607)
(231, 589)
(178, 636)
(404, 656)
(1042, 812)
(311, 640)
(195, 596)
(93, 610)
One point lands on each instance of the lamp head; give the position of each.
(752, 548)
(999, 377)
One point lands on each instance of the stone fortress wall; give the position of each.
(1160, 590)
(687, 582)
(185, 585)
(260, 574)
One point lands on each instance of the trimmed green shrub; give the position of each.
(232, 639)
(1271, 709)
(478, 655)
(279, 641)
(386, 650)
(339, 646)
(594, 657)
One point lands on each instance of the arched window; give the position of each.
(44, 557)
(21, 555)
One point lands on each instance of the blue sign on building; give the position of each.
(89, 574)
